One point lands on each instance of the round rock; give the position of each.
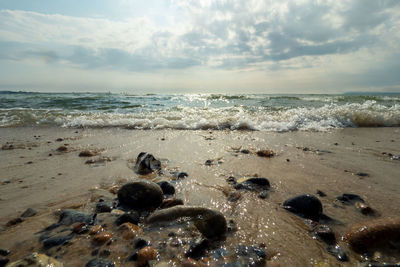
(306, 206)
(141, 195)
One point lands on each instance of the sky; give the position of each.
(200, 46)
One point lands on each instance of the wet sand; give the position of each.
(35, 175)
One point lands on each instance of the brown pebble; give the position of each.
(171, 202)
(266, 153)
(114, 189)
(129, 230)
(87, 153)
(369, 235)
(102, 238)
(95, 229)
(62, 149)
(146, 254)
(79, 227)
(364, 208)
(14, 221)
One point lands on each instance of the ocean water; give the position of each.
(258, 112)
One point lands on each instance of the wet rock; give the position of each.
(62, 149)
(362, 174)
(208, 162)
(167, 188)
(141, 243)
(234, 196)
(191, 263)
(231, 180)
(231, 226)
(349, 199)
(171, 202)
(131, 217)
(245, 151)
(263, 194)
(338, 252)
(251, 255)
(59, 139)
(306, 206)
(70, 216)
(98, 262)
(28, 213)
(146, 163)
(211, 223)
(104, 206)
(266, 153)
(102, 238)
(198, 249)
(365, 209)
(3, 261)
(180, 175)
(320, 193)
(80, 228)
(88, 153)
(4, 252)
(372, 234)
(36, 259)
(58, 240)
(324, 233)
(146, 254)
(95, 229)
(254, 184)
(142, 195)
(129, 230)
(14, 221)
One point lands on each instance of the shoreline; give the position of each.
(339, 161)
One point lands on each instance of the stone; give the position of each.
(212, 225)
(87, 153)
(104, 206)
(324, 233)
(171, 202)
(198, 249)
(3, 261)
(234, 196)
(80, 228)
(179, 175)
(251, 255)
(4, 252)
(245, 151)
(141, 243)
(373, 234)
(146, 254)
(167, 188)
(129, 230)
(95, 229)
(28, 213)
(254, 184)
(263, 194)
(349, 199)
(364, 208)
(58, 240)
(62, 149)
(146, 163)
(306, 206)
(99, 262)
(338, 252)
(321, 193)
(208, 162)
(69, 216)
(141, 195)
(36, 260)
(266, 153)
(102, 238)
(14, 221)
(362, 174)
(131, 217)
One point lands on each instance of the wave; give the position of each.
(367, 114)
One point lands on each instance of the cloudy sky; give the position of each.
(227, 46)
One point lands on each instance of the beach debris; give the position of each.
(29, 212)
(338, 252)
(265, 153)
(36, 259)
(141, 195)
(366, 236)
(211, 223)
(99, 262)
(167, 188)
(306, 206)
(146, 163)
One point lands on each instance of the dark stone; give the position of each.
(146, 163)
(59, 139)
(131, 217)
(265, 153)
(362, 174)
(198, 249)
(171, 202)
(234, 196)
(104, 206)
(4, 252)
(338, 252)
(141, 243)
(14, 221)
(62, 149)
(251, 255)
(263, 194)
(105, 253)
(231, 226)
(28, 213)
(254, 184)
(142, 195)
(324, 233)
(87, 153)
(306, 206)
(231, 180)
(98, 262)
(69, 217)
(212, 225)
(208, 162)
(349, 199)
(320, 193)
(245, 151)
(167, 188)
(56, 241)
(3, 261)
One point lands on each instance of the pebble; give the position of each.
(146, 163)
(191, 263)
(208, 162)
(102, 238)
(338, 252)
(56, 241)
(98, 262)
(131, 217)
(171, 202)
(28, 213)
(141, 243)
(129, 230)
(104, 206)
(70, 216)
(306, 206)
(251, 255)
(14, 221)
(4, 252)
(372, 234)
(254, 184)
(198, 249)
(95, 229)
(234, 196)
(324, 233)
(87, 153)
(364, 208)
(3, 261)
(36, 259)
(263, 195)
(321, 193)
(362, 174)
(62, 149)
(349, 199)
(266, 153)
(141, 195)
(80, 228)
(167, 188)
(245, 151)
(146, 254)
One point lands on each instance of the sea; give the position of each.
(253, 112)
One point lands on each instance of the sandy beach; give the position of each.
(361, 161)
